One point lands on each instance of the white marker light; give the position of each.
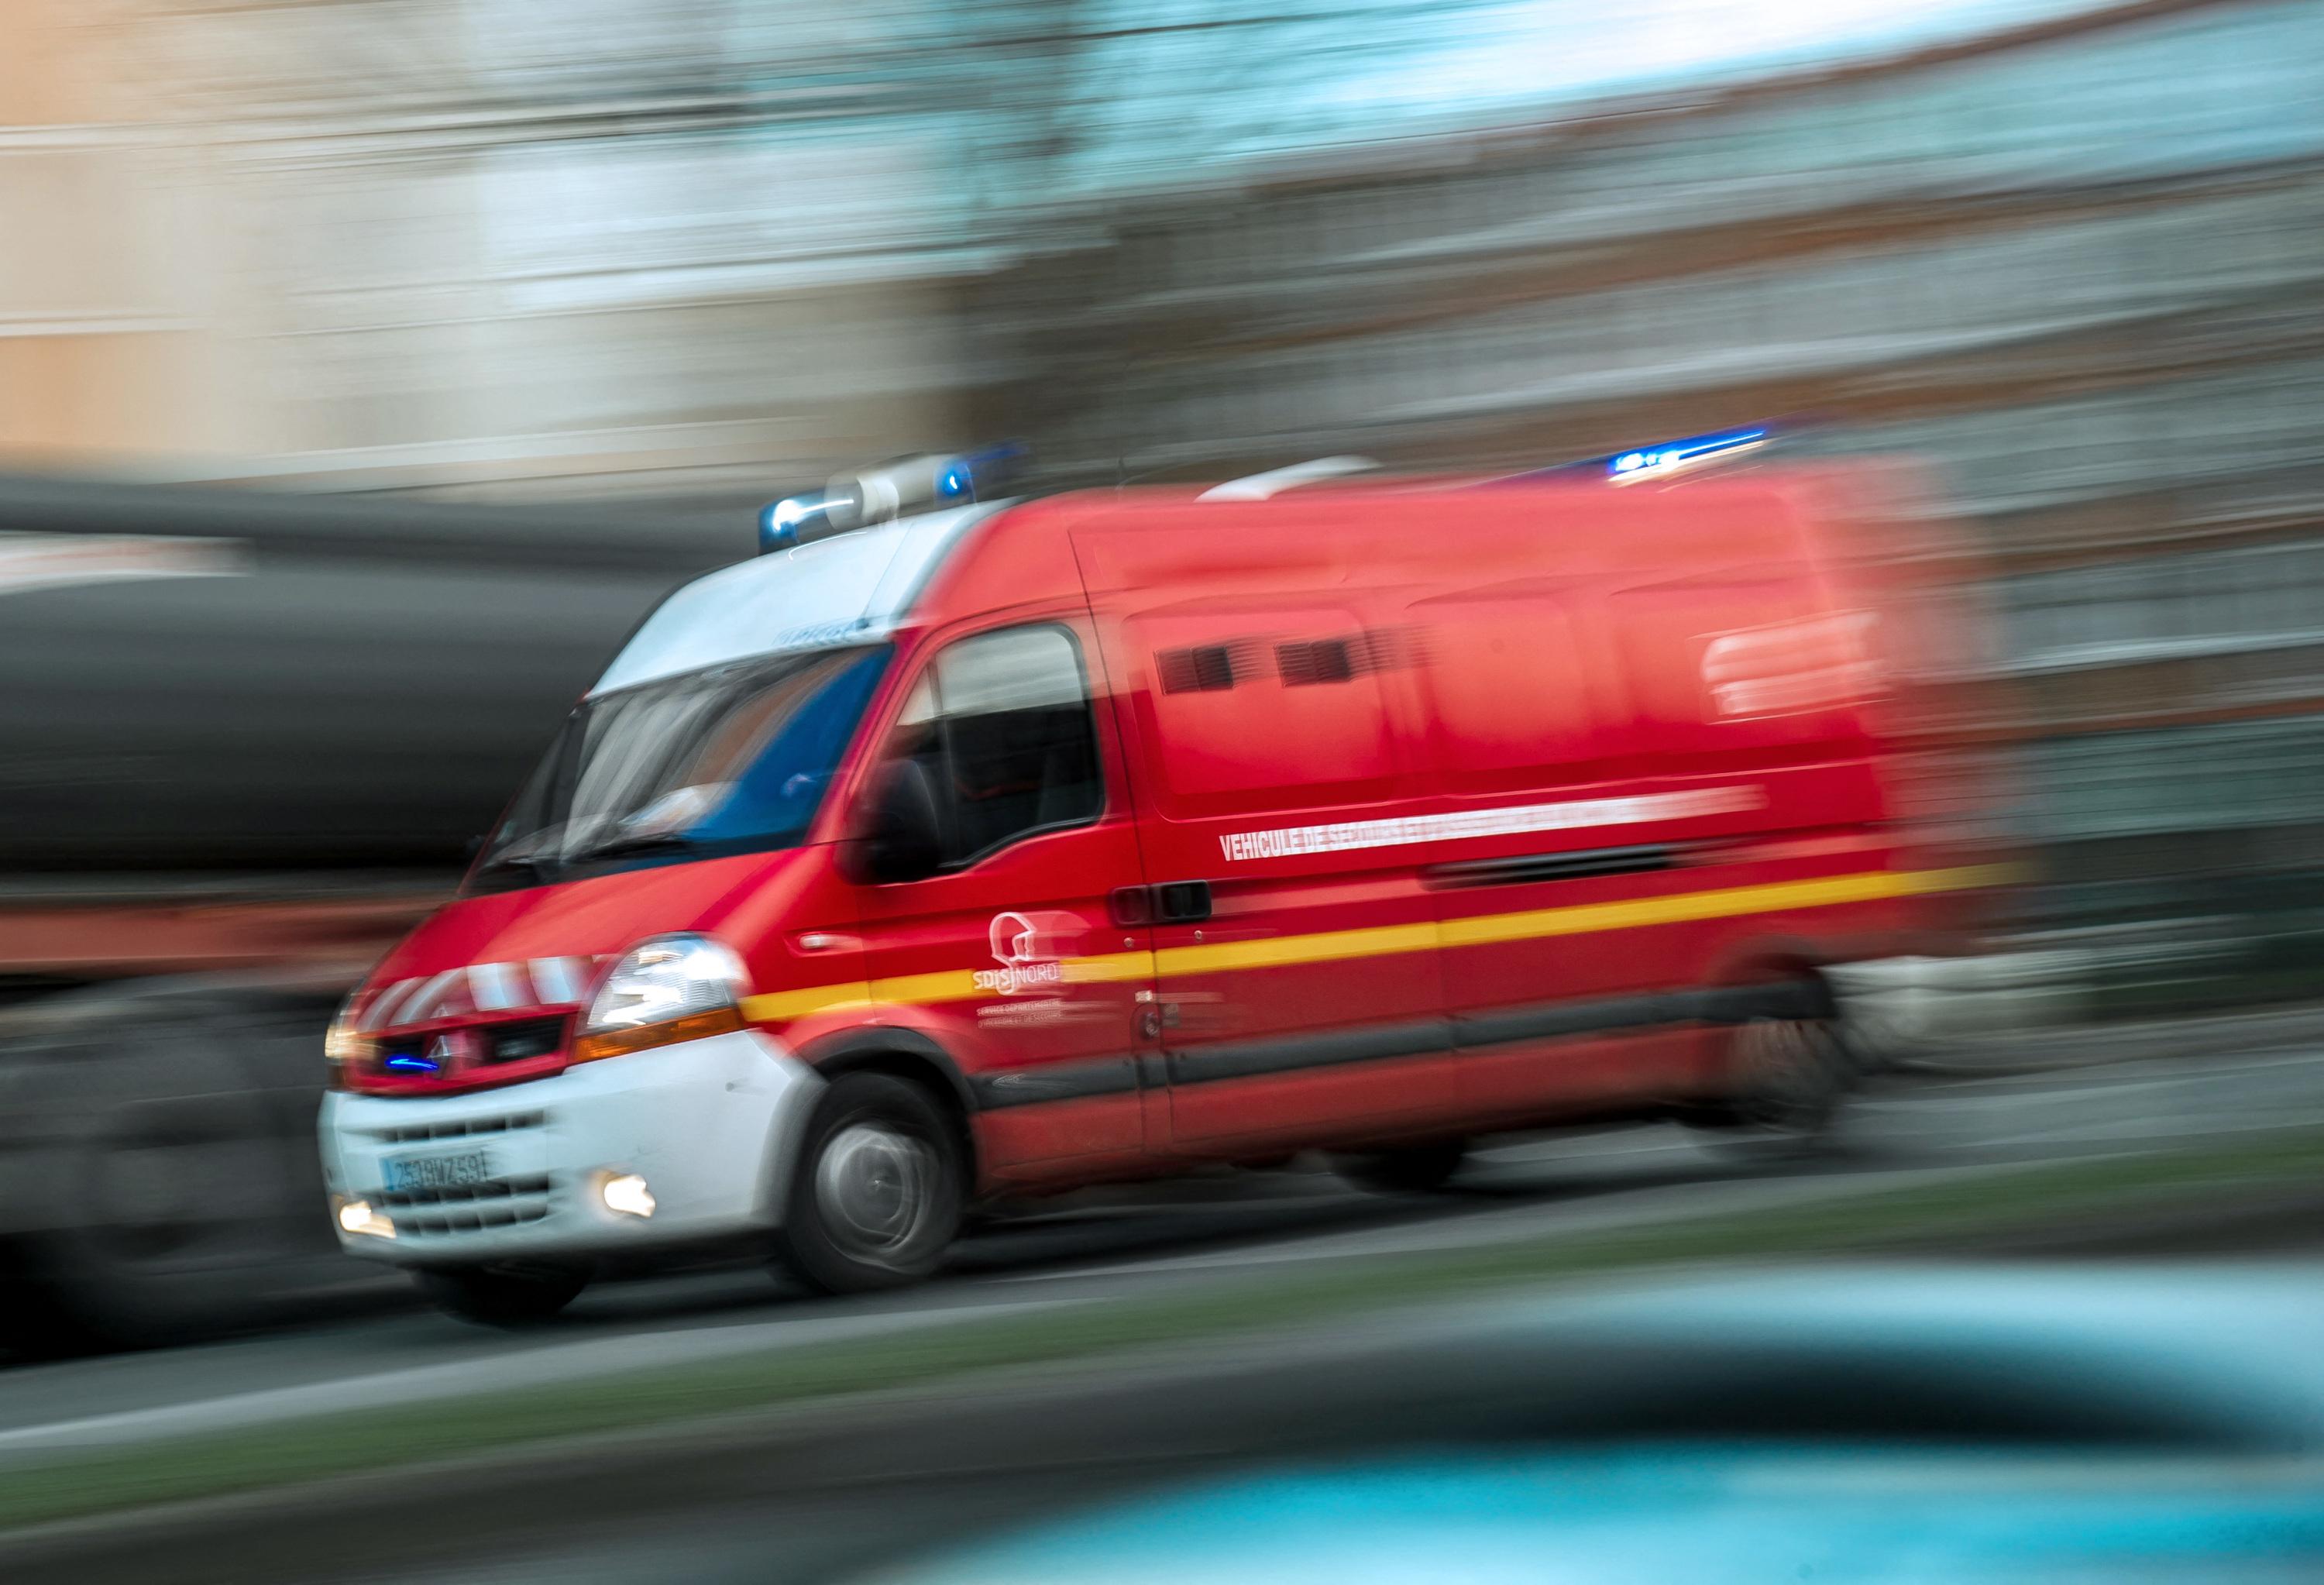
(627, 1195)
(358, 1219)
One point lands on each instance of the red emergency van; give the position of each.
(1013, 847)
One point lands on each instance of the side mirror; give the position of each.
(894, 836)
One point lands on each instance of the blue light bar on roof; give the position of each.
(924, 482)
(979, 475)
(778, 524)
(1662, 460)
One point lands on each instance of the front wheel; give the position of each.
(502, 1295)
(877, 1195)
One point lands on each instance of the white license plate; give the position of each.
(439, 1171)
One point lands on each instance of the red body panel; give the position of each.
(1015, 918)
(1473, 779)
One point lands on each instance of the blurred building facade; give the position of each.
(493, 246)
(2071, 265)
(707, 248)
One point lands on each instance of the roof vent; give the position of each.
(1259, 486)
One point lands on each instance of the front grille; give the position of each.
(493, 1045)
(519, 1042)
(468, 1128)
(445, 1211)
(468, 1218)
(468, 1207)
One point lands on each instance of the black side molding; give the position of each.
(1466, 1034)
(1074, 1080)
(1251, 1059)
(1719, 1004)
(1630, 860)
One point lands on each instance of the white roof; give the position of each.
(850, 588)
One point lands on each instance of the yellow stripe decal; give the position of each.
(1109, 969)
(782, 1006)
(1281, 951)
(1774, 898)
(1388, 940)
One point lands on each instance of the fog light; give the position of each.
(627, 1195)
(359, 1219)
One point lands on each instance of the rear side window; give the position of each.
(1003, 723)
(1254, 708)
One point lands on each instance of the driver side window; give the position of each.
(1002, 724)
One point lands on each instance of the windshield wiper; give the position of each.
(623, 847)
(526, 863)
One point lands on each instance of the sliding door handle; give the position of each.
(1173, 902)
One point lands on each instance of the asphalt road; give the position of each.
(1121, 1241)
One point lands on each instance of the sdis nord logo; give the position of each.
(1028, 947)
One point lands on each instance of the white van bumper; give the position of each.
(710, 1126)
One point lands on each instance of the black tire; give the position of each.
(1789, 1078)
(1410, 1169)
(502, 1295)
(877, 1192)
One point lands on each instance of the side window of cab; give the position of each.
(1002, 730)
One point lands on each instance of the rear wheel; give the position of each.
(1410, 1169)
(877, 1195)
(1788, 1078)
(502, 1295)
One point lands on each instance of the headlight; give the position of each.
(679, 988)
(343, 1046)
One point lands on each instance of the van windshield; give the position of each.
(729, 758)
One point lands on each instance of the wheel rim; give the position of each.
(875, 1187)
(1782, 1066)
